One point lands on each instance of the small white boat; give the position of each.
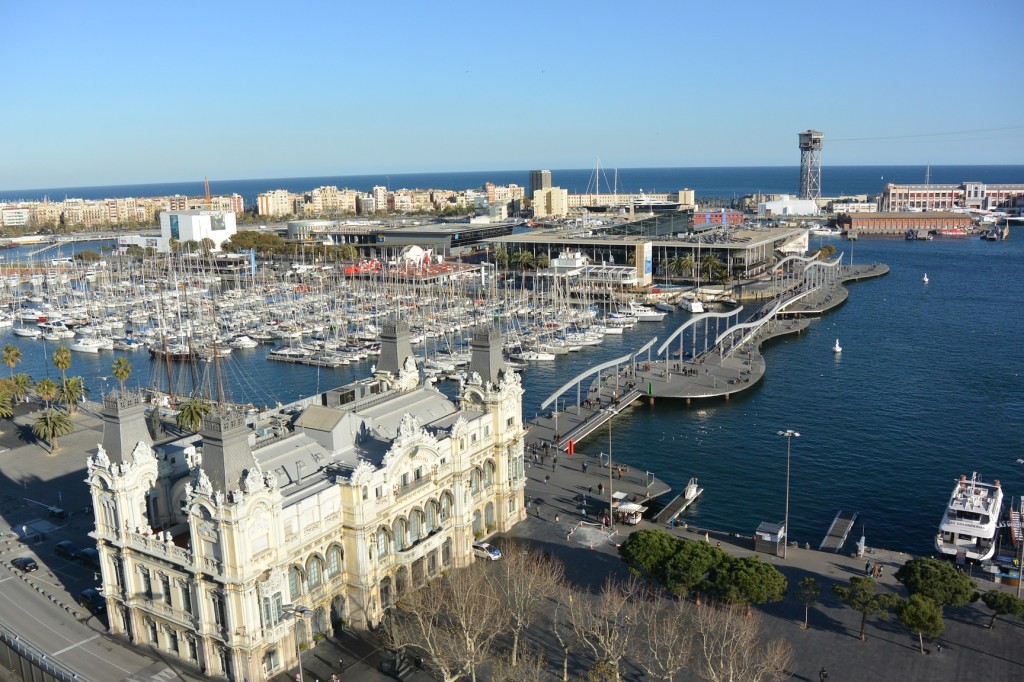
(666, 306)
(837, 348)
(691, 305)
(925, 280)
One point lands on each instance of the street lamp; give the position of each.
(303, 612)
(789, 435)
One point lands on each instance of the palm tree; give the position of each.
(121, 370)
(51, 425)
(21, 385)
(62, 359)
(522, 259)
(12, 356)
(192, 412)
(711, 266)
(6, 407)
(46, 389)
(70, 392)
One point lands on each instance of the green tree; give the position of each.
(11, 356)
(687, 569)
(807, 591)
(21, 385)
(87, 256)
(1002, 604)
(647, 551)
(121, 369)
(6, 403)
(922, 616)
(501, 257)
(826, 252)
(860, 595)
(62, 359)
(746, 581)
(938, 581)
(51, 425)
(192, 412)
(70, 392)
(522, 260)
(47, 390)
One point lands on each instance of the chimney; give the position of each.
(394, 347)
(487, 359)
(124, 424)
(226, 452)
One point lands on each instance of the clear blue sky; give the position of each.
(114, 92)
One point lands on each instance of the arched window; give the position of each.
(474, 481)
(383, 541)
(489, 514)
(400, 531)
(488, 474)
(446, 506)
(431, 516)
(295, 582)
(314, 572)
(477, 525)
(333, 561)
(415, 525)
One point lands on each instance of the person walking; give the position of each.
(547, 478)
(556, 518)
(584, 467)
(867, 568)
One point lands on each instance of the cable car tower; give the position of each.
(810, 164)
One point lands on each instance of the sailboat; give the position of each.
(925, 280)
(837, 348)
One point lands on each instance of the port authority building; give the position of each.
(642, 250)
(231, 549)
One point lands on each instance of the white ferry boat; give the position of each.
(969, 526)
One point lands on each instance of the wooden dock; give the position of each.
(841, 526)
(677, 506)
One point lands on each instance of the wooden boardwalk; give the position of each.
(841, 526)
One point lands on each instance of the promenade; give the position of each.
(969, 649)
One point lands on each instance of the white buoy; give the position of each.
(925, 278)
(837, 348)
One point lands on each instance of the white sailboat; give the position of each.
(925, 280)
(837, 348)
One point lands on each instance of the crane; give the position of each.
(209, 202)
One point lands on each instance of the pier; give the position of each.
(711, 355)
(841, 526)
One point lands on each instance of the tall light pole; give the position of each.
(789, 435)
(297, 612)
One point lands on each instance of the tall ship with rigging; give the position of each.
(969, 526)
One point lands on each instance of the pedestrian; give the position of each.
(938, 648)
(556, 518)
(554, 461)
(538, 511)
(584, 467)
(590, 490)
(881, 569)
(867, 568)
(547, 478)
(600, 488)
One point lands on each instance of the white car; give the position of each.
(486, 551)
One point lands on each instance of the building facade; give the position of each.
(197, 225)
(945, 197)
(233, 547)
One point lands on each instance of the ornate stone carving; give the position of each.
(474, 379)
(253, 480)
(460, 427)
(207, 529)
(142, 454)
(100, 459)
(203, 485)
(408, 426)
(363, 473)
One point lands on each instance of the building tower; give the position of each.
(810, 164)
(539, 179)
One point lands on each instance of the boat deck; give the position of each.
(841, 526)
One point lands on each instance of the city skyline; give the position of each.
(125, 93)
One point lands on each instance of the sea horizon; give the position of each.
(707, 181)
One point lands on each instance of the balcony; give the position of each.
(412, 487)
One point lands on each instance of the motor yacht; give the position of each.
(968, 528)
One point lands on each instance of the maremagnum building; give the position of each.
(233, 547)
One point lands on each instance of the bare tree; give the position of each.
(453, 620)
(561, 628)
(606, 624)
(525, 581)
(665, 646)
(530, 667)
(728, 646)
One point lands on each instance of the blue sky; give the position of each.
(133, 92)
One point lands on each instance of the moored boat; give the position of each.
(968, 528)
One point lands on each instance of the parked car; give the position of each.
(91, 599)
(68, 550)
(90, 557)
(486, 551)
(25, 563)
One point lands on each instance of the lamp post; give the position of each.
(789, 435)
(303, 612)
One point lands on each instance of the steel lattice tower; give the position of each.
(810, 164)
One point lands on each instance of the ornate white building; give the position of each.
(231, 547)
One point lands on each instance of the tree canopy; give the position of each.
(922, 616)
(937, 580)
(1002, 604)
(860, 595)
